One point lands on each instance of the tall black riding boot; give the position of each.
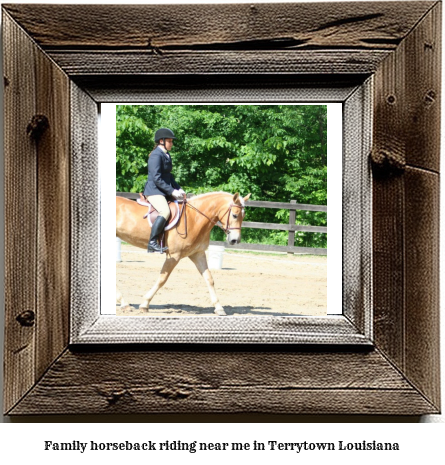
(156, 230)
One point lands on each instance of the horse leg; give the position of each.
(167, 268)
(200, 260)
(120, 300)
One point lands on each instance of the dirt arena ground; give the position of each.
(247, 284)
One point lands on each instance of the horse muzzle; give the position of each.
(233, 238)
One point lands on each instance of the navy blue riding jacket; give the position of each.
(160, 180)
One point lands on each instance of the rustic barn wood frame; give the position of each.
(57, 70)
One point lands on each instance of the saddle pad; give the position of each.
(153, 213)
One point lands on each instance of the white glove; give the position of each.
(177, 194)
(182, 192)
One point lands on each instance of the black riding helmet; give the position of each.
(164, 133)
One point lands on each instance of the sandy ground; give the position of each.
(247, 284)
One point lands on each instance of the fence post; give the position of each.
(291, 236)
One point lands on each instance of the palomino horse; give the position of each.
(190, 238)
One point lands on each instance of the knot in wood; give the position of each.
(172, 393)
(387, 162)
(112, 396)
(37, 126)
(26, 318)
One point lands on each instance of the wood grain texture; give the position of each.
(306, 47)
(85, 240)
(38, 240)
(388, 268)
(406, 205)
(215, 381)
(53, 201)
(236, 331)
(422, 364)
(370, 25)
(219, 39)
(20, 224)
(389, 142)
(356, 209)
(224, 88)
(407, 118)
(423, 92)
(128, 63)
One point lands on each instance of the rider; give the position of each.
(161, 184)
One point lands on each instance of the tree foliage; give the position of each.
(276, 152)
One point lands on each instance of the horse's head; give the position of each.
(235, 215)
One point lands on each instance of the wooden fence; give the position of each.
(292, 206)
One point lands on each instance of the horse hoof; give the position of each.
(145, 309)
(126, 308)
(220, 311)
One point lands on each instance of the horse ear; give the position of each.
(247, 197)
(236, 198)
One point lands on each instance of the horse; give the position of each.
(190, 238)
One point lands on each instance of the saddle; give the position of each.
(152, 213)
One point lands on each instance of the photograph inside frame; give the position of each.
(221, 210)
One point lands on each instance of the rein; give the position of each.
(228, 211)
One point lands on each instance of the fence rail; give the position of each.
(291, 227)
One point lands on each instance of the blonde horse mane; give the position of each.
(205, 194)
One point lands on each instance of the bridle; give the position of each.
(226, 230)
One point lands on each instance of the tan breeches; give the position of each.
(161, 205)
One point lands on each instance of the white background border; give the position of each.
(107, 176)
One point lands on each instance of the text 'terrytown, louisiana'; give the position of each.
(195, 446)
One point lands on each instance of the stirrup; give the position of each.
(153, 246)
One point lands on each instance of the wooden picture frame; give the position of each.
(56, 72)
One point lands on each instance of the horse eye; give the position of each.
(235, 216)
